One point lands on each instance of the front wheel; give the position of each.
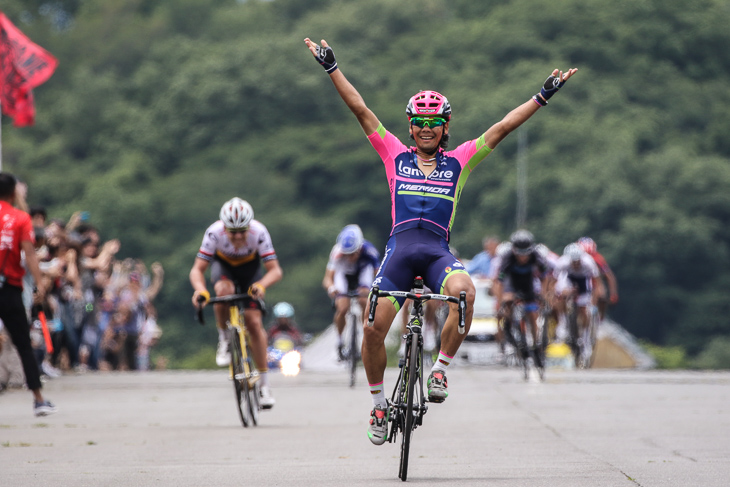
(590, 339)
(240, 383)
(253, 388)
(409, 412)
(354, 355)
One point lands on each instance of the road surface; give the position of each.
(180, 428)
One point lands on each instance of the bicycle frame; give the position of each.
(242, 370)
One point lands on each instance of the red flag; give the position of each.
(23, 66)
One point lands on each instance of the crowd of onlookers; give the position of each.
(98, 311)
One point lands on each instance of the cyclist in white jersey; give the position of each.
(575, 272)
(351, 267)
(234, 247)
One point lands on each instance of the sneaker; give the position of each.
(378, 429)
(49, 370)
(222, 358)
(43, 408)
(266, 400)
(437, 385)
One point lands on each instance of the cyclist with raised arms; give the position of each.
(524, 272)
(425, 184)
(351, 267)
(234, 248)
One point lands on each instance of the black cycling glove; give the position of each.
(326, 57)
(549, 88)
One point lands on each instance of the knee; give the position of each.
(372, 334)
(223, 287)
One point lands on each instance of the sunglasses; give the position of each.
(421, 122)
(237, 230)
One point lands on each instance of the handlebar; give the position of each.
(231, 298)
(377, 293)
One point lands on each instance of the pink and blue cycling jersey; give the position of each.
(425, 202)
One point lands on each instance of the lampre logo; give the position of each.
(416, 173)
(409, 171)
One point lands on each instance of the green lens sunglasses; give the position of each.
(421, 122)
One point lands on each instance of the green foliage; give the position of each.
(667, 357)
(715, 356)
(160, 110)
(203, 358)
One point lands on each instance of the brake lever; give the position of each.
(462, 312)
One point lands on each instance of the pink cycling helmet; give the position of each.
(428, 104)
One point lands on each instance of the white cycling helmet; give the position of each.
(283, 310)
(236, 213)
(350, 239)
(573, 251)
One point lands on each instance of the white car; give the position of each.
(480, 345)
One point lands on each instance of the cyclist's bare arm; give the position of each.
(368, 121)
(612, 285)
(197, 278)
(598, 289)
(272, 276)
(328, 282)
(497, 132)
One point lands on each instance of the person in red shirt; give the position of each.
(16, 236)
(590, 247)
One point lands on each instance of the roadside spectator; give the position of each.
(17, 235)
(94, 265)
(115, 338)
(149, 335)
(479, 266)
(38, 216)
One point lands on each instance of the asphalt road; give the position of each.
(579, 428)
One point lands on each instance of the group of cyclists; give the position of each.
(426, 182)
(529, 271)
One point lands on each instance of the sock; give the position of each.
(442, 362)
(264, 378)
(222, 335)
(377, 392)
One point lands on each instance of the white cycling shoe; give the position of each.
(266, 400)
(222, 358)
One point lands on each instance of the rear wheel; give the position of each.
(240, 384)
